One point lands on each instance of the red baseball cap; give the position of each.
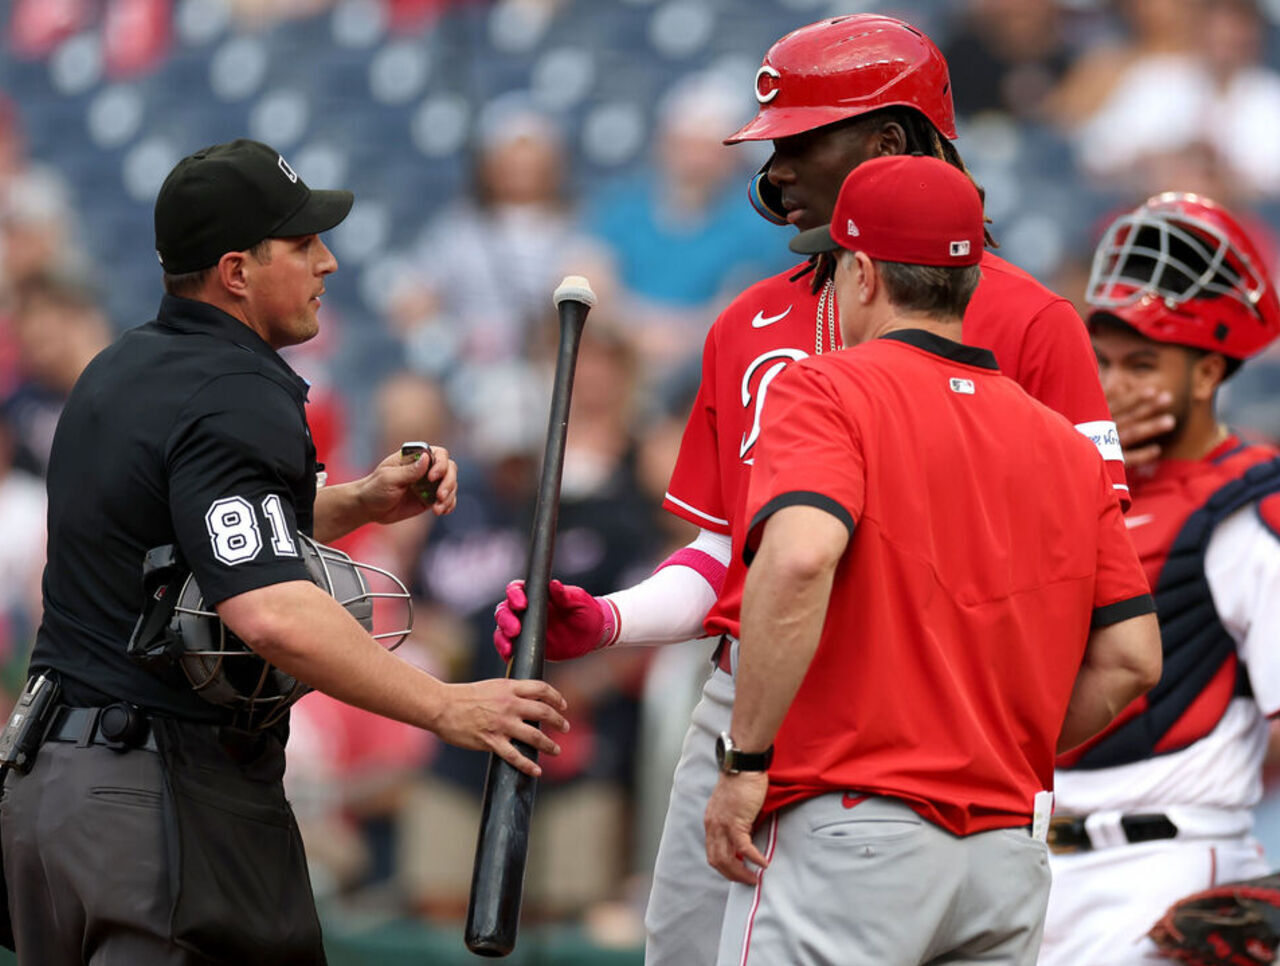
(903, 208)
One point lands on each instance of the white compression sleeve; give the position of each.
(670, 605)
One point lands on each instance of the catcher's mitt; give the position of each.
(1236, 923)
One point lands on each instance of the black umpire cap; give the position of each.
(229, 197)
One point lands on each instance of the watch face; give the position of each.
(720, 750)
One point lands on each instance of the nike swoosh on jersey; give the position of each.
(761, 320)
(849, 800)
(1139, 520)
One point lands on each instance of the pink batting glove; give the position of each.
(577, 623)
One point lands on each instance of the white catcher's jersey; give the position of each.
(1223, 769)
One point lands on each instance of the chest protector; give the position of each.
(1202, 669)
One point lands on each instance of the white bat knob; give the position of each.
(574, 288)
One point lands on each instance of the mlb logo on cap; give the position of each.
(906, 208)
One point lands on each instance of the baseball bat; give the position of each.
(497, 879)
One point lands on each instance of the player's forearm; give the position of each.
(671, 604)
(667, 607)
(309, 635)
(784, 607)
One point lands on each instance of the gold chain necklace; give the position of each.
(827, 308)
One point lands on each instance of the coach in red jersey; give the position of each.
(941, 594)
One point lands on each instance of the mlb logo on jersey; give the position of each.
(962, 386)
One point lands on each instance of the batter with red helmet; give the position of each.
(831, 95)
(1158, 806)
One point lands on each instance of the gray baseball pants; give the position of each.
(868, 882)
(687, 899)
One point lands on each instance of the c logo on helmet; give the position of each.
(768, 82)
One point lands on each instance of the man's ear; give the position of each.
(1207, 374)
(232, 272)
(889, 140)
(868, 280)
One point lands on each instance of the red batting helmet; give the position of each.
(1181, 269)
(846, 66)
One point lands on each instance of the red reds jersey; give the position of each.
(1036, 336)
(986, 541)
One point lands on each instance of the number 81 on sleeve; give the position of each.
(234, 532)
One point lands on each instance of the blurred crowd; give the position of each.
(1131, 96)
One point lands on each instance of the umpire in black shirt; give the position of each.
(169, 840)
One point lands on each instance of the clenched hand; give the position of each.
(389, 493)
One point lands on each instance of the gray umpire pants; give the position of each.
(85, 860)
(870, 883)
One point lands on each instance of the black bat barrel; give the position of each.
(497, 881)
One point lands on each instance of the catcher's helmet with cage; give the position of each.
(1181, 269)
(180, 636)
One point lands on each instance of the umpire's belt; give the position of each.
(118, 726)
(1068, 833)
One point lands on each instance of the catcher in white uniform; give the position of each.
(1159, 805)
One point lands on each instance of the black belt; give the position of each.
(1067, 833)
(118, 726)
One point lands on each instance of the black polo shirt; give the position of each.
(190, 430)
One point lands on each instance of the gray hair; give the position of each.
(934, 290)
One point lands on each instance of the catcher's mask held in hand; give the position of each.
(224, 671)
